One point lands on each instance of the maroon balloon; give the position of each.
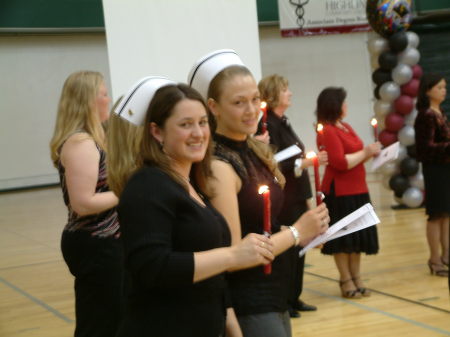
(404, 104)
(387, 138)
(393, 122)
(411, 88)
(417, 71)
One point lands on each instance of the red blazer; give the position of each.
(338, 143)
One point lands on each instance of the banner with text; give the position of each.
(318, 17)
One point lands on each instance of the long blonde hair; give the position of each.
(124, 140)
(77, 111)
(263, 151)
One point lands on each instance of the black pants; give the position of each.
(295, 277)
(98, 267)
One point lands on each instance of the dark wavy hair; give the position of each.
(427, 82)
(159, 110)
(329, 104)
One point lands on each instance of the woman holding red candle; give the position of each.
(274, 89)
(433, 150)
(345, 188)
(243, 164)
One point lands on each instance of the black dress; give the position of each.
(433, 150)
(161, 228)
(253, 292)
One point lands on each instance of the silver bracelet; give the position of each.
(295, 234)
(298, 171)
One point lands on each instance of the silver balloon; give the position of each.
(412, 197)
(389, 91)
(402, 74)
(389, 169)
(382, 108)
(413, 39)
(410, 56)
(402, 153)
(411, 118)
(417, 180)
(406, 135)
(377, 45)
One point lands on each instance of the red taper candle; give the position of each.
(374, 123)
(264, 190)
(312, 155)
(264, 117)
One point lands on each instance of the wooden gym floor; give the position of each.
(36, 289)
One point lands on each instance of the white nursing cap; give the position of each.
(133, 106)
(205, 69)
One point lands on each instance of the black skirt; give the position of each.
(437, 189)
(363, 241)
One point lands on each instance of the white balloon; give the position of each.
(417, 180)
(382, 108)
(389, 169)
(389, 91)
(406, 135)
(402, 74)
(413, 39)
(411, 117)
(412, 197)
(409, 56)
(402, 153)
(377, 45)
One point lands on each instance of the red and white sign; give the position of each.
(318, 17)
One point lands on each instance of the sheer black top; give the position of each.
(252, 291)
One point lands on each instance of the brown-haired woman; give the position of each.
(433, 150)
(90, 241)
(176, 243)
(345, 188)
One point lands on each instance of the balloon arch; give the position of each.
(394, 58)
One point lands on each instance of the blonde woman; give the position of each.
(90, 241)
(243, 164)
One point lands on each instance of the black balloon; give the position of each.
(411, 149)
(381, 76)
(409, 166)
(399, 184)
(376, 92)
(398, 42)
(387, 60)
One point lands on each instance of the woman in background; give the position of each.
(345, 188)
(274, 90)
(433, 150)
(90, 241)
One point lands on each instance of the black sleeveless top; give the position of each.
(253, 292)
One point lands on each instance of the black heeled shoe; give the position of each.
(443, 261)
(438, 269)
(363, 290)
(354, 293)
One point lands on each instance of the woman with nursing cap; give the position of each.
(176, 244)
(241, 165)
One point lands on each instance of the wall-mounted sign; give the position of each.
(317, 17)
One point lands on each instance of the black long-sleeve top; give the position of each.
(162, 227)
(432, 137)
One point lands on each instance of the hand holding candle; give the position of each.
(264, 117)
(264, 190)
(312, 155)
(374, 123)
